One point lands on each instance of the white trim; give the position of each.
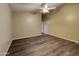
(39, 35)
(8, 48)
(26, 37)
(63, 38)
(17, 39)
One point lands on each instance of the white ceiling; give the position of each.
(30, 7)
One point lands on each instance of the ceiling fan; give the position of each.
(45, 9)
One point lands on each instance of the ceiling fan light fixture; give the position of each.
(45, 11)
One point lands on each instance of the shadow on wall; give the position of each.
(52, 12)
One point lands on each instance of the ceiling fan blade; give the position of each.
(51, 8)
(48, 8)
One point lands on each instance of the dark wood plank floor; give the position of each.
(44, 45)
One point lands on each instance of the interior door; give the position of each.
(44, 28)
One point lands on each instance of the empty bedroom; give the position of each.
(39, 29)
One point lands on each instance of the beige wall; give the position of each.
(26, 25)
(5, 28)
(64, 23)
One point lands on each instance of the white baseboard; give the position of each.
(63, 38)
(8, 48)
(26, 37)
(39, 35)
(17, 38)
